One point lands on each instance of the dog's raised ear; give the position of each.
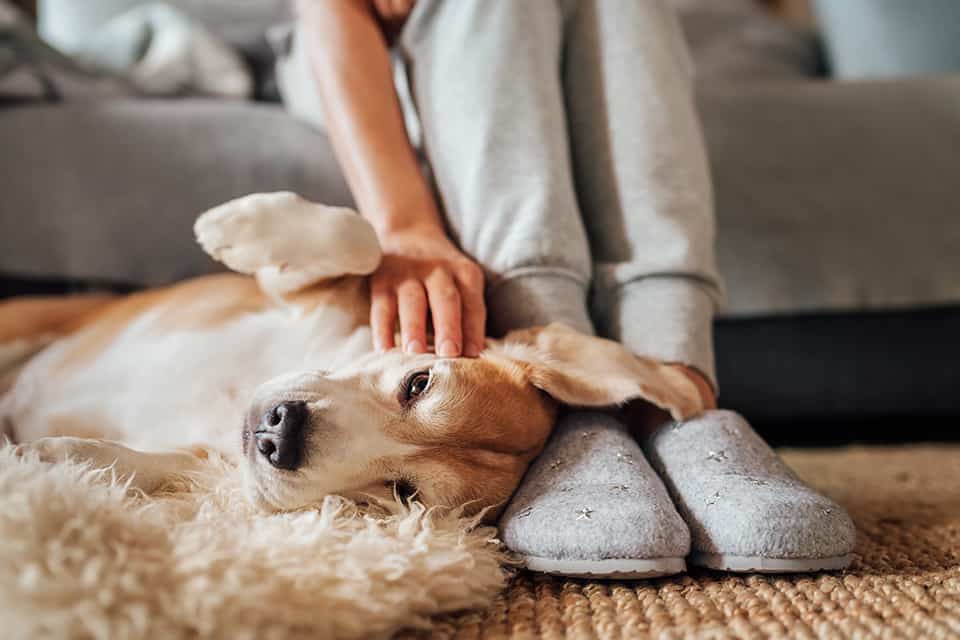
(582, 370)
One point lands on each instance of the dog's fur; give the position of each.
(151, 382)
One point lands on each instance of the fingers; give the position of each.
(414, 291)
(444, 299)
(383, 318)
(412, 307)
(470, 282)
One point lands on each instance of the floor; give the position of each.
(904, 583)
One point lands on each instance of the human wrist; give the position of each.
(399, 225)
(401, 214)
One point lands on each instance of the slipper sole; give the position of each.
(757, 564)
(612, 569)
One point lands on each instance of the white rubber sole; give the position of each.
(747, 564)
(615, 569)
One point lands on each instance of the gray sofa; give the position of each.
(837, 209)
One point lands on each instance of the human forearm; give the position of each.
(353, 73)
(422, 271)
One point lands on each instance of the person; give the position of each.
(539, 161)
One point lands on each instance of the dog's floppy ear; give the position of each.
(582, 370)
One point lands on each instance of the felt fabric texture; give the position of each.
(739, 498)
(591, 495)
(82, 557)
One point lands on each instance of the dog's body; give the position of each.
(152, 381)
(160, 369)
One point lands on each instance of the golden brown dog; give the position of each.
(277, 372)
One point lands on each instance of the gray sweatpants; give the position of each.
(569, 162)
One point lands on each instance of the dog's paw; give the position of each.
(282, 232)
(238, 233)
(98, 453)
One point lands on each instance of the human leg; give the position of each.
(493, 126)
(642, 179)
(485, 80)
(643, 184)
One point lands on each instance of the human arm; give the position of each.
(422, 270)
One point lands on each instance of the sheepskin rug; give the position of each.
(81, 556)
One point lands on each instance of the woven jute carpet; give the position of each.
(904, 583)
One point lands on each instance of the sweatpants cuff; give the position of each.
(537, 298)
(669, 319)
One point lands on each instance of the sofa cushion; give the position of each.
(740, 40)
(110, 190)
(836, 196)
(830, 196)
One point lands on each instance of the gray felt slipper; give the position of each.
(746, 509)
(592, 506)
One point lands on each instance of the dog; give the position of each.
(272, 367)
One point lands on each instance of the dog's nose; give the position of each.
(280, 436)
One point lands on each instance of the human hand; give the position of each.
(422, 271)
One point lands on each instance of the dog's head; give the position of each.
(451, 430)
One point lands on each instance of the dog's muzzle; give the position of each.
(280, 437)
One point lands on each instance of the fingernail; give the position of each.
(471, 350)
(447, 348)
(414, 346)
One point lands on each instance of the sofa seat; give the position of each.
(110, 190)
(837, 196)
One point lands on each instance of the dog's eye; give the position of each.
(415, 385)
(418, 384)
(404, 489)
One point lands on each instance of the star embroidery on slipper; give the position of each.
(626, 458)
(757, 481)
(588, 434)
(584, 514)
(525, 512)
(731, 432)
(717, 456)
(712, 500)
(556, 464)
(619, 487)
(566, 489)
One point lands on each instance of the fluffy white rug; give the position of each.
(82, 557)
